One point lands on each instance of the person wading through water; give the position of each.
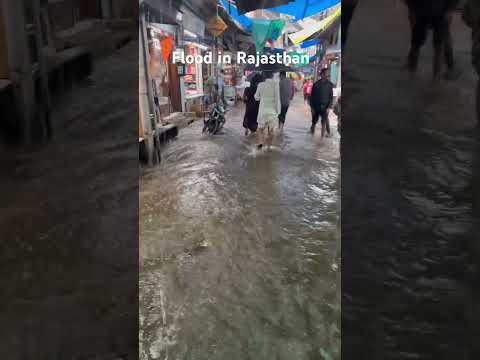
(471, 16)
(286, 94)
(321, 101)
(437, 15)
(268, 93)
(251, 105)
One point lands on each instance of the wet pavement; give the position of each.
(239, 248)
(410, 170)
(69, 226)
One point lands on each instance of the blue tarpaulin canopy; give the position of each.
(299, 9)
(304, 8)
(308, 43)
(232, 10)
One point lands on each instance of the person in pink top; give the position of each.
(307, 90)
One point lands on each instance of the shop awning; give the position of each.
(325, 34)
(301, 9)
(312, 27)
(232, 10)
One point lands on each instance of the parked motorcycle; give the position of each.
(215, 121)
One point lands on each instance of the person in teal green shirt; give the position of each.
(471, 16)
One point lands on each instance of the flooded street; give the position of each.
(240, 249)
(411, 149)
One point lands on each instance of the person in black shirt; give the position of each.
(251, 105)
(320, 102)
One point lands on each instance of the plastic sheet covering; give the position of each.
(314, 27)
(232, 10)
(304, 8)
(263, 30)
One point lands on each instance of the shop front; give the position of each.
(230, 77)
(165, 79)
(193, 80)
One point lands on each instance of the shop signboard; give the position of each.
(216, 26)
(180, 66)
(180, 69)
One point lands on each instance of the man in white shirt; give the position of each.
(268, 93)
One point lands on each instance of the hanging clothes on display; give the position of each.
(166, 45)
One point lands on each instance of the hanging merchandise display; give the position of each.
(166, 45)
(193, 73)
(264, 30)
(165, 85)
(216, 26)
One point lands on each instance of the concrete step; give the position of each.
(167, 132)
(180, 119)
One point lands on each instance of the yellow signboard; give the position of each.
(216, 26)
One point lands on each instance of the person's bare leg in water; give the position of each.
(269, 139)
(260, 137)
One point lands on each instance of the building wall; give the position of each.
(3, 48)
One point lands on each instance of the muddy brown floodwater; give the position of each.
(239, 249)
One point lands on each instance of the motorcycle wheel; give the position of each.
(216, 128)
(212, 126)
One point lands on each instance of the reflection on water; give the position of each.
(240, 248)
(407, 195)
